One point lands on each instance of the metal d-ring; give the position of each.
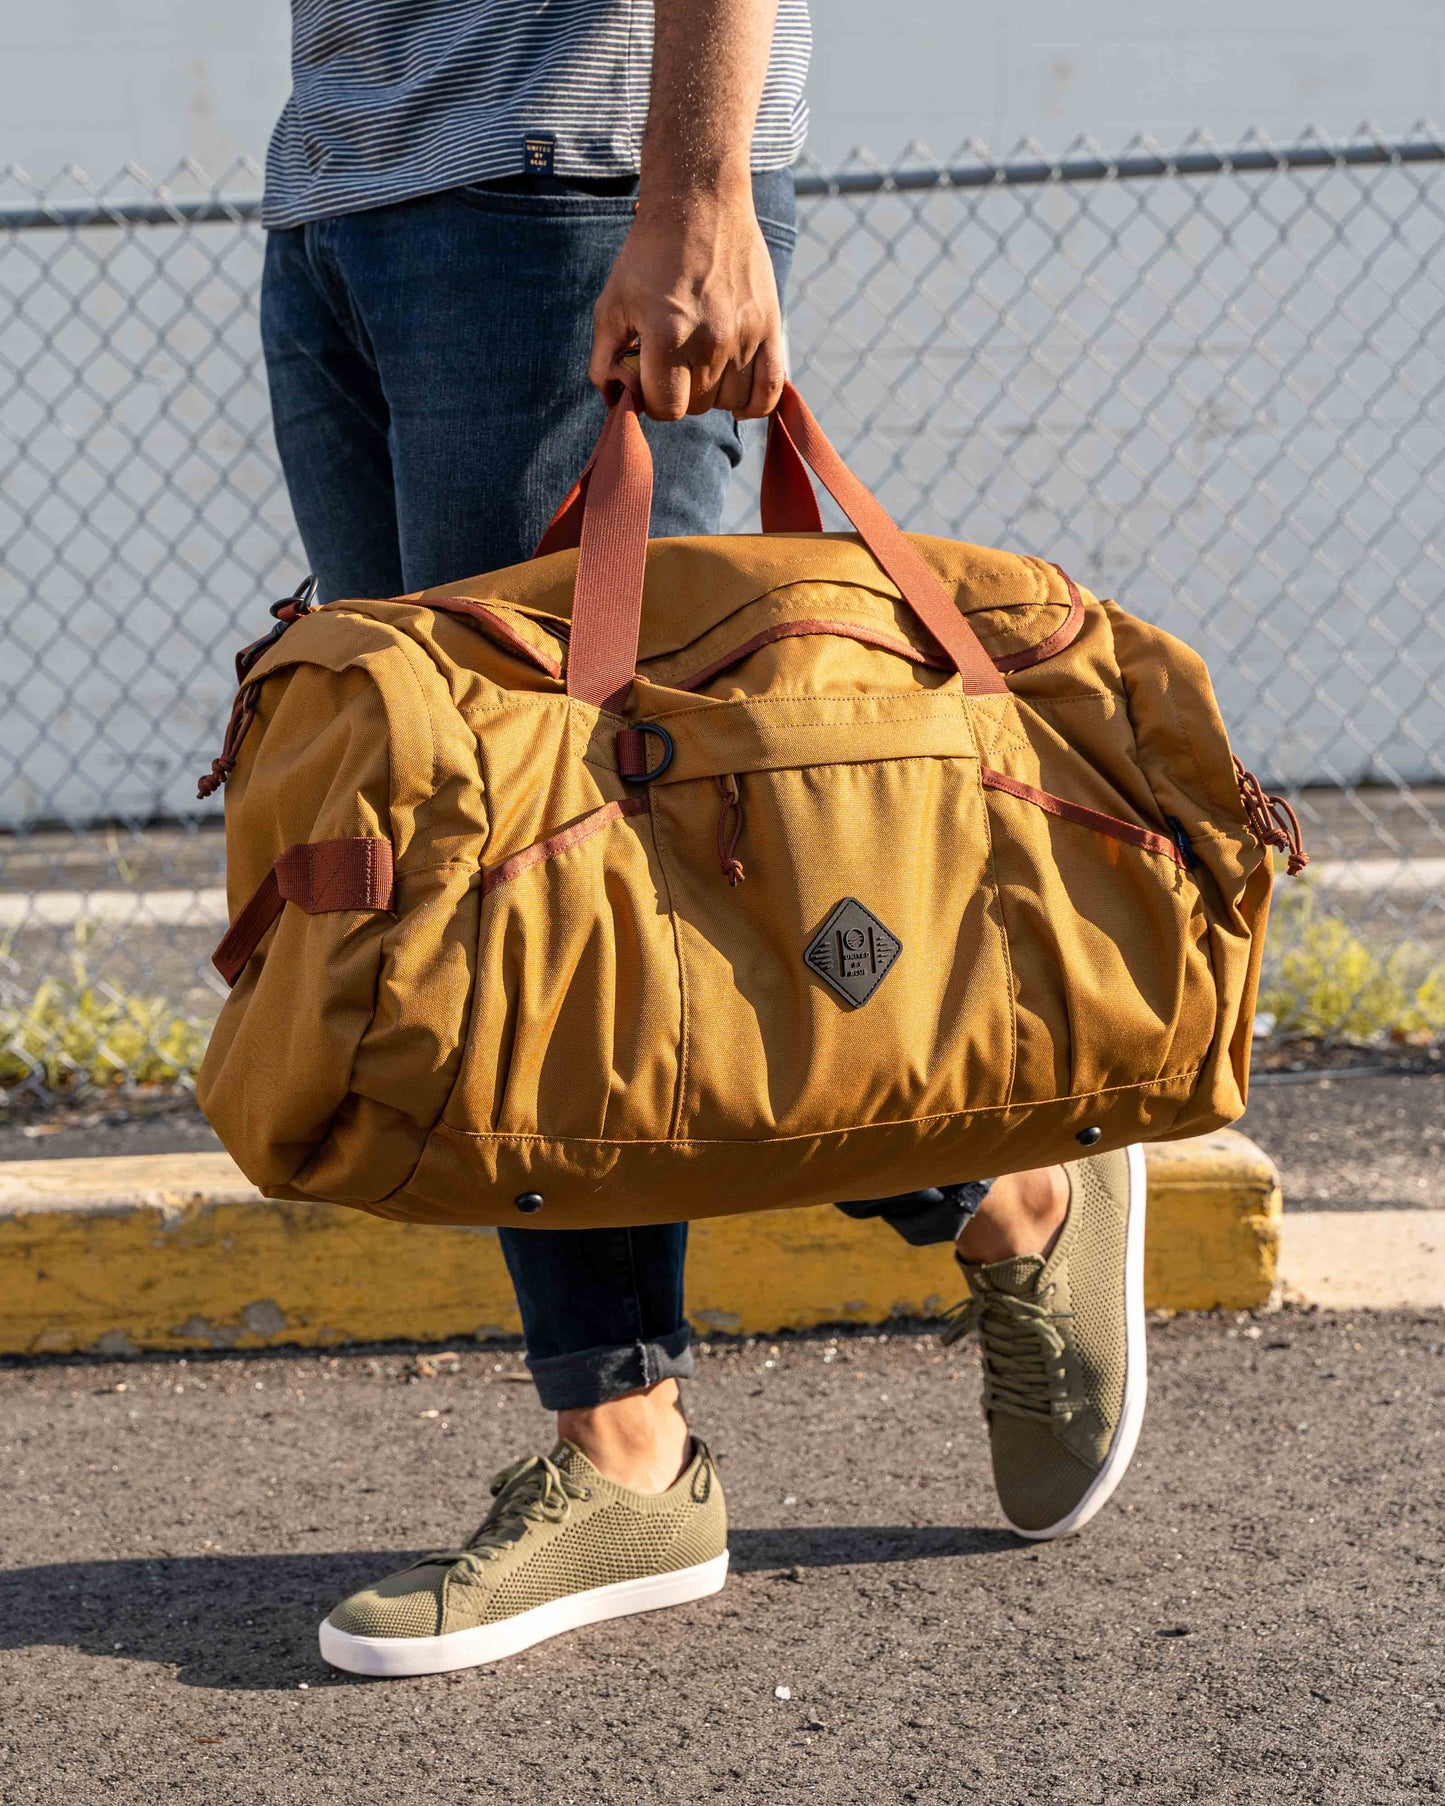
(302, 599)
(668, 749)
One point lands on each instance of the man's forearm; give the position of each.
(709, 62)
(694, 282)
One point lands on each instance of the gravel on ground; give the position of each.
(1354, 1144)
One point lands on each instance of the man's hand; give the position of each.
(694, 281)
(695, 285)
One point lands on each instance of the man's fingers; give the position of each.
(676, 381)
(705, 353)
(611, 336)
(736, 387)
(769, 373)
(666, 382)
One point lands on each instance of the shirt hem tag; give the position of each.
(539, 153)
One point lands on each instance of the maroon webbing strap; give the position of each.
(318, 876)
(612, 561)
(786, 503)
(612, 501)
(563, 532)
(632, 752)
(917, 584)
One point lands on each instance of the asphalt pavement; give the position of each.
(1373, 1143)
(1257, 1617)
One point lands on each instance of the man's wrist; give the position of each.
(671, 182)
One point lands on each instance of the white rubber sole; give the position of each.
(1136, 1371)
(491, 1642)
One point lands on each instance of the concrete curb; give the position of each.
(178, 1251)
(1362, 1260)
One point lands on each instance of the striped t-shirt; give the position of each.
(397, 98)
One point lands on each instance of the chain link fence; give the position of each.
(1209, 382)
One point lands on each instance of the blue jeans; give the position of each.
(428, 372)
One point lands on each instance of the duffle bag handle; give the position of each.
(606, 517)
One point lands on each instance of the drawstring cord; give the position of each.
(248, 696)
(243, 713)
(727, 844)
(1272, 819)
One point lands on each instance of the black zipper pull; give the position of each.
(301, 601)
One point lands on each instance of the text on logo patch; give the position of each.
(853, 952)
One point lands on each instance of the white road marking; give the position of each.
(115, 908)
(1378, 874)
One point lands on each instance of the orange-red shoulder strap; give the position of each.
(919, 586)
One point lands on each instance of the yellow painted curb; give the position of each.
(177, 1251)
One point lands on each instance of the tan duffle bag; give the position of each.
(656, 880)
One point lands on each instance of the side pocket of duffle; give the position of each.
(350, 858)
(576, 1030)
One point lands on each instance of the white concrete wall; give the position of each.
(147, 81)
(153, 80)
(949, 69)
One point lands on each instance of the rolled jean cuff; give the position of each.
(926, 1218)
(595, 1376)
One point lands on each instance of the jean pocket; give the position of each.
(573, 204)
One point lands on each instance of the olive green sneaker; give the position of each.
(1064, 1373)
(561, 1547)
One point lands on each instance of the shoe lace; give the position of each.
(531, 1491)
(1024, 1373)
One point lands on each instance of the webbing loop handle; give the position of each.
(606, 516)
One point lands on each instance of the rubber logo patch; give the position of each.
(853, 952)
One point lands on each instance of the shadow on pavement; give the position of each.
(248, 1622)
(857, 1545)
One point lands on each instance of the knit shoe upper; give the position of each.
(557, 1535)
(1062, 1342)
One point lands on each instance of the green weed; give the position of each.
(76, 1030)
(1324, 980)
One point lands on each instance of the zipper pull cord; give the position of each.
(243, 713)
(1273, 820)
(731, 815)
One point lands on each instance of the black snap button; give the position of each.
(1085, 1138)
(528, 1201)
